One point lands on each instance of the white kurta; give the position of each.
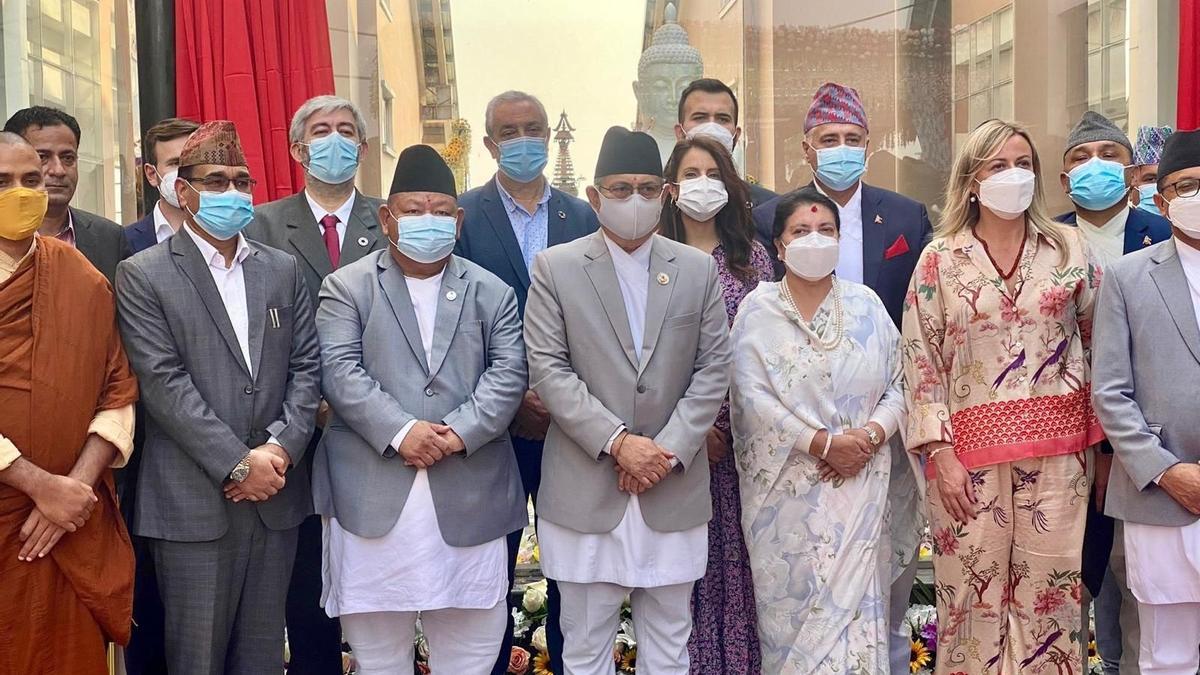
(633, 554)
(1108, 239)
(412, 568)
(1163, 563)
(850, 264)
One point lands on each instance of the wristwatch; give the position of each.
(872, 435)
(242, 471)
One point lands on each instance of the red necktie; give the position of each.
(329, 223)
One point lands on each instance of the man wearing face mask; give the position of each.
(415, 476)
(1094, 175)
(326, 225)
(66, 417)
(507, 221)
(162, 145)
(628, 348)
(1145, 363)
(220, 332)
(1143, 180)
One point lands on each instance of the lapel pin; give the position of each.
(878, 220)
(362, 241)
(451, 295)
(562, 215)
(1147, 241)
(663, 279)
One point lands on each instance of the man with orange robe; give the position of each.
(66, 418)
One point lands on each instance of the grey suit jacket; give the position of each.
(583, 366)
(205, 408)
(101, 241)
(288, 225)
(377, 380)
(1145, 366)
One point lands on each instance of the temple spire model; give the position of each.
(564, 168)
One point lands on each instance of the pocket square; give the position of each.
(898, 248)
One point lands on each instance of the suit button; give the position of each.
(429, 392)
(641, 388)
(248, 390)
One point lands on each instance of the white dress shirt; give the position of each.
(850, 245)
(162, 227)
(632, 555)
(1108, 240)
(412, 568)
(342, 212)
(231, 285)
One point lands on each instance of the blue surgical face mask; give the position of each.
(841, 167)
(333, 159)
(425, 238)
(223, 214)
(1097, 184)
(1146, 198)
(523, 159)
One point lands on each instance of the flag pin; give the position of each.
(878, 220)
(1147, 241)
(663, 279)
(562, 215)
(362, 241)
(451, 295)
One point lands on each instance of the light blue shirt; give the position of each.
(531, 229)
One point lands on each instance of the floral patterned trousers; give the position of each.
(1008, 582)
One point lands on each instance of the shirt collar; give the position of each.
(510, 204)
(855, 203)
(67, 234)
(213, 257)
(162, 226)
(1115, 227)
(342, 212)
(1189, 257)
(640, 255)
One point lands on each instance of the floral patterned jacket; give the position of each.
(1001, 375)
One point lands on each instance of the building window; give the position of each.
(1108, 40)
(387, 137)
(435, 134)
(983, 71)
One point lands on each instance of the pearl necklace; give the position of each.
(837, 322)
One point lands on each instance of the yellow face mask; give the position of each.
(21, 212)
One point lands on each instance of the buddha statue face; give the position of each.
(658, 89)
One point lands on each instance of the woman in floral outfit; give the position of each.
(996, 334)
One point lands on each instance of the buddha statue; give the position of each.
(666, 68)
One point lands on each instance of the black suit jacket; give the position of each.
(140, 235)
(101, 241)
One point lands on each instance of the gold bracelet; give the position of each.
(934, 452)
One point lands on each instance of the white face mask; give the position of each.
(714, 131)
(630, 219)
(1185, 214)
(166, 186)
(1009, 193)
(812, 257)
(702, 197)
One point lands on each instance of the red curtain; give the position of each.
(253, 62)
(1189, 65)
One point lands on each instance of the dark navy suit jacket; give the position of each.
(140, 235)
(1142, 229)
(895, 229)
(487, 237)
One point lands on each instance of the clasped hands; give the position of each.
(640, 462)
(848, 454)
(268, 464)
(427, 443)
(62, 504)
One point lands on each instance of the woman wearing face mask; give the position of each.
(997, 328)
(816, 393)
(707, 208)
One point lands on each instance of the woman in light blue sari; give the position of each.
(817, 402)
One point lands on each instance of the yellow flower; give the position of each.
(541, 664)
(920, 656)
(629, 660)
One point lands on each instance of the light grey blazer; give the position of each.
(1145, 370)
(583, 366)
(376, 380)
(205, 408)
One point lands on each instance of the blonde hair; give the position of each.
(981, 145)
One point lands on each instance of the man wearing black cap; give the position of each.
(628, 349)
(424, 368)
(1145, 365)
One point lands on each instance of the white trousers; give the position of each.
(461, 641)
(591, 614)
(1170, 638)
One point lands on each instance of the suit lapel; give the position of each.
(603, 276)
(254, 275)
(658, 297)
(451, 297)
(363, 227)
(557, 222)
(396, 291)
(497, 217)
(1137, 232)
(874, 236)
(196, 269)
(304, 234)
(1172, 285)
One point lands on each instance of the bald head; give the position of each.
(9, 138)
(19, 163)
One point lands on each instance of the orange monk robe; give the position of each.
(61, 361)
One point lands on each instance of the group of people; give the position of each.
(328, 413)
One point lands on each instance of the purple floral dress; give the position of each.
(724, 637)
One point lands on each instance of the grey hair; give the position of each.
(511, 96)
(324, 104)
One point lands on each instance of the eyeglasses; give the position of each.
(221, 183)
(1188, 187)
(625, 190)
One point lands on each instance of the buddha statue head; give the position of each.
(666, 68)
